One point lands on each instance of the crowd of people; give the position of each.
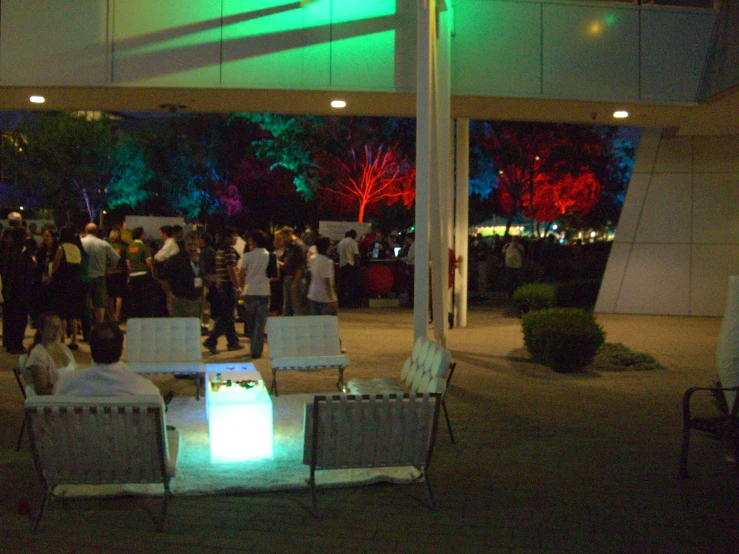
(68, 282)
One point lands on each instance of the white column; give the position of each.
(441, 218)
(462, 217)
(424, 140)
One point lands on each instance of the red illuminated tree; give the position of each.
(371, 175)
(546, 170)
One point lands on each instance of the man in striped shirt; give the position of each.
(227, 287)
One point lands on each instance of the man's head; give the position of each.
(14, 219)
(106, 343)
(137, 233)
(287, 234)
(230, 234)
(260, 238)
(192, 246)
(166, 232)
(351, 233)
(323, 245)
(177, 232)
(91, 229)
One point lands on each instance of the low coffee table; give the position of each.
(239, 411)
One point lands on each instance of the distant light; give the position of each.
(20, 208)
(37, 99)
(500, 172)
(620, 114)
(554, 227)
(537, 158)
(593, 234)
(338, 104)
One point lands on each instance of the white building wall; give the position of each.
(678, 237)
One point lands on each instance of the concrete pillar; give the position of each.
(461, 243)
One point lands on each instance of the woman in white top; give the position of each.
(321, 293)
(49, 356)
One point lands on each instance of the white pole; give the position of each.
(424, 63)
(442, 217)
(462, 219)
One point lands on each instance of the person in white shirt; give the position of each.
(257, 267)
(169, 248)
(102, 258)
(321, 293)
(49, 357)
(348, 250)
(107, 376)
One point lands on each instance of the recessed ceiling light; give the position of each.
(338, 104)
(37, 99)
(620, 114)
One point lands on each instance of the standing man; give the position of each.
(102, 258)
(223, 301)
(293, 266)
(140, 272)
(184, 276)
(348, 250)
(257, 267)
(169, 247)
(513, 253)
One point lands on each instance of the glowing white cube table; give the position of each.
(239, 419)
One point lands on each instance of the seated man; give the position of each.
(107, 376)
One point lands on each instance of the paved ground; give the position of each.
(543, 462)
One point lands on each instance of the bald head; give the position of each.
(91, 229)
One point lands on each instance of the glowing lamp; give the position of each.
(338, 104)
(37, 99)
(620, 114)
(239, 411)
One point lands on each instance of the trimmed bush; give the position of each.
(564, 339)
(534, 296)
(617, 357)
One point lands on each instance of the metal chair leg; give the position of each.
(684, 453)
(313, 491)
(448, 422)
(273, 388)
(40, 514)
(20, 435)
(432, 502)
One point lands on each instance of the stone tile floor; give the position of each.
(544, 462)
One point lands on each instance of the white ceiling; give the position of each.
(720, 116)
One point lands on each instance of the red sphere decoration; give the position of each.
(377, 279)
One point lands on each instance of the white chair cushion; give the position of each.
(163, 340)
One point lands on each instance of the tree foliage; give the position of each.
(547, 170)
(69, 159)
(373, 174)
(286, 144)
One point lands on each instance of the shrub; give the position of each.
(565, 339)
(617, 357)
(534, 296)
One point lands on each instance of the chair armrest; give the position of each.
(689, 394)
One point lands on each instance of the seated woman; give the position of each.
(49, 356)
